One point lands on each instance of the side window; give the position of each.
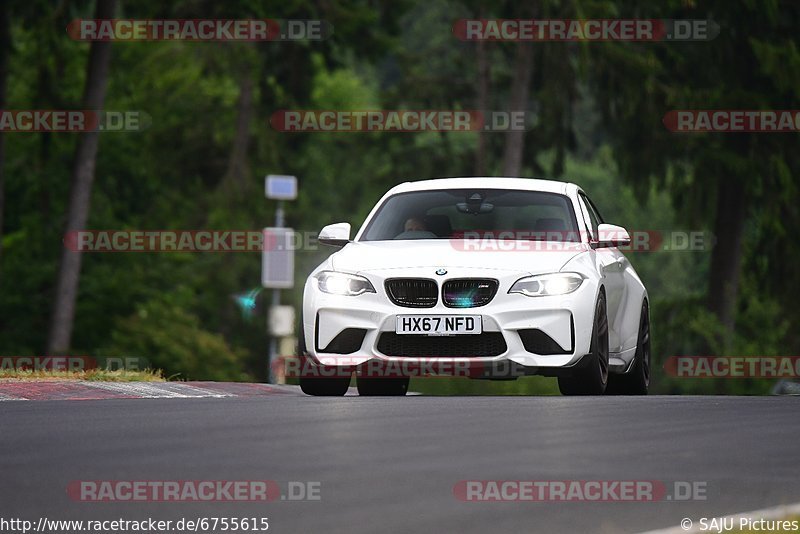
(593, 216)
(594, 210)
(587, 220)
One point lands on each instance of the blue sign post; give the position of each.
(281, 188)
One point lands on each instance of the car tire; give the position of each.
(322, 380)
(319, 380)
(384, 387)
(590, 377)
(637, 380)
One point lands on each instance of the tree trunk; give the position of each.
(80, 195)
(237, 175)
(483, 105)
(5, 50)
(726, 256)
(518, 101)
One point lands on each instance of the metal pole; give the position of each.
(272, 351)
(273, 341)
(279, 215)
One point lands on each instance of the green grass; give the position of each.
(101, 375)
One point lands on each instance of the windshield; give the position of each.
(466, 213)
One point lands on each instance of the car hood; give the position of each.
(521, 256)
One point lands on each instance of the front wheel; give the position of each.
(324, 381)
(637, 380)
(590, 377)
(320, 381)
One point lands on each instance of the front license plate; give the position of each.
(438, 325)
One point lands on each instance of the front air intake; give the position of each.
(486, 344)
(537, 342)
(347, 341)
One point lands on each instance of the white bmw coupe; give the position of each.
(511, 276)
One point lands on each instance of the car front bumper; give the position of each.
(567, 320)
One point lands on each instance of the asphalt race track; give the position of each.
(391, 464)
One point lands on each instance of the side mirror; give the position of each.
(611, 235)
(335, 235)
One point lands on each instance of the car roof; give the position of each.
(487, 182)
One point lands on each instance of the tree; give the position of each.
(518, 101)
(726, 181)
(482, 99)
(83, 173)
(5, 49)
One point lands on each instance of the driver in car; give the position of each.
(415, 228)
(415, 224)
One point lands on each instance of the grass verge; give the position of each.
(100, 375)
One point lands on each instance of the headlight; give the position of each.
(343, 284)
(547, 284)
